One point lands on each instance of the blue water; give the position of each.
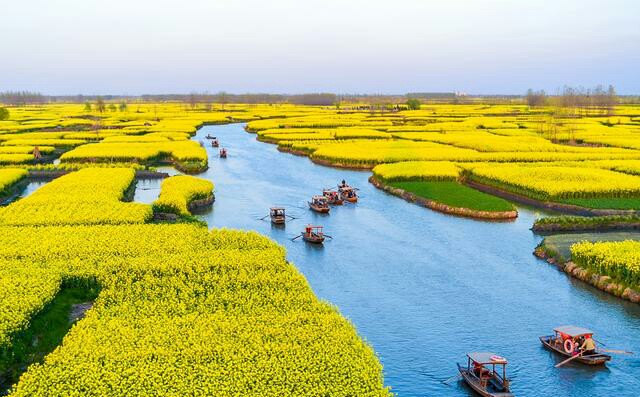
(421, 287)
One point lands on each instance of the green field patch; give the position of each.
(455, 195)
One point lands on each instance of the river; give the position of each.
(421, 287)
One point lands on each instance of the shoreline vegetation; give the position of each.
(423, 200)
(548, 205)
(180, 195)
(582, 223)
(583, 273)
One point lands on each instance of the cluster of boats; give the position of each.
(216, 143)
(486, 373)
(311, 234)
(315, 233)
(329, 197)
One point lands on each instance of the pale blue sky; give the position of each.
(348, 46)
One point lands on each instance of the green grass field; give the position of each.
(456, 195)
(627, 203)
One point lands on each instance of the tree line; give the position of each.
(577, 100)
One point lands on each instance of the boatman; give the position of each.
(588, 347)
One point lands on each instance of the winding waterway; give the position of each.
(421, 287)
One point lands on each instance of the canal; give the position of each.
(421, 287)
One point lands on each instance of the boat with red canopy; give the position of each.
(566, 341)
(313, 234)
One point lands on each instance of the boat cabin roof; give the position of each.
(321, 198)
(573, 331)
(314, 227)
(486, 358)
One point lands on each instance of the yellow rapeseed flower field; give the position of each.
(177, 192)
(88, 196)
(182, 311)
(10, 176)
(619, 260)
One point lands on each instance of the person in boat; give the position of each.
(343, 184)
(480, 370)
(588, 347)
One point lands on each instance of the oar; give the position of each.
(567, 360)
(446, 382)
(615, 351)
(264, 217)
(598, 342)
(298, 236)
(326, 235)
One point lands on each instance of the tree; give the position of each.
(193, 100)
(612, 100)
(112, 107)
(4, 114)
(413, 104)
(100, 106)
(20, 98)
(223, 98)
(87, 107)
(536, 98)
(123, 106)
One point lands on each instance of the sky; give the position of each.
(134, 47)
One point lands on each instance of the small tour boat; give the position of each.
(348, 193)
(333, 197)
(319, 204)
(313, 234)
(481, 375)
(566, 341)
(223, 153)
(277, 215)
(215, 143)
(209, 136)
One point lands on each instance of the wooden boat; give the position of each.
(333, 197)
(215, 143)
(481, 375)
(277, 215)
(319, 204)
(313, 234)
(223, 153)
(566, 340)
(348, 193)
